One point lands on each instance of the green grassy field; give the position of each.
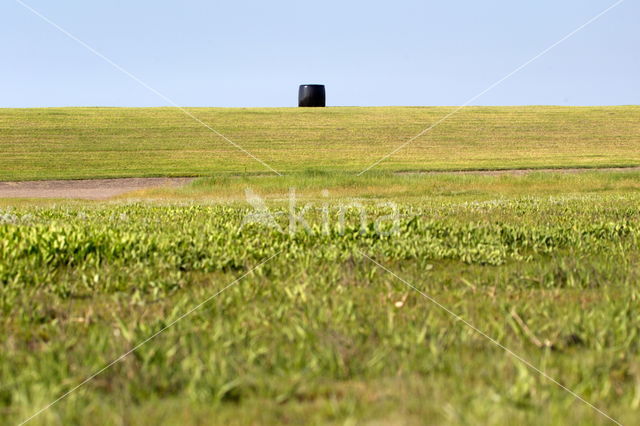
(115, 142)
(319, 333)
(310, 184)
(299, 324)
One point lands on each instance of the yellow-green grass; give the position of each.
(117, 142)
(320, 334)
(327, 186)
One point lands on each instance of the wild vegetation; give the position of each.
(319, 333)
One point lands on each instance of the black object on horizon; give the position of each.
(311, 95)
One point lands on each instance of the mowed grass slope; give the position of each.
(117, 142)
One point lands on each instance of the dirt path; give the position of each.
(88, 189)
(521, 172)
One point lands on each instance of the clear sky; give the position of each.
(255, 53)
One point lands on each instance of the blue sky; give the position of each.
(256, 53)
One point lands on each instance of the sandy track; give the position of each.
(521, 172)
(88, 189)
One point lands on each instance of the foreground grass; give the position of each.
(319, 334)
(115, 142)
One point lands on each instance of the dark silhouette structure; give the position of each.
(311, 95)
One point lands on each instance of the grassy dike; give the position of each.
(65, 143)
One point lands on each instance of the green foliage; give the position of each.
(319, 333)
